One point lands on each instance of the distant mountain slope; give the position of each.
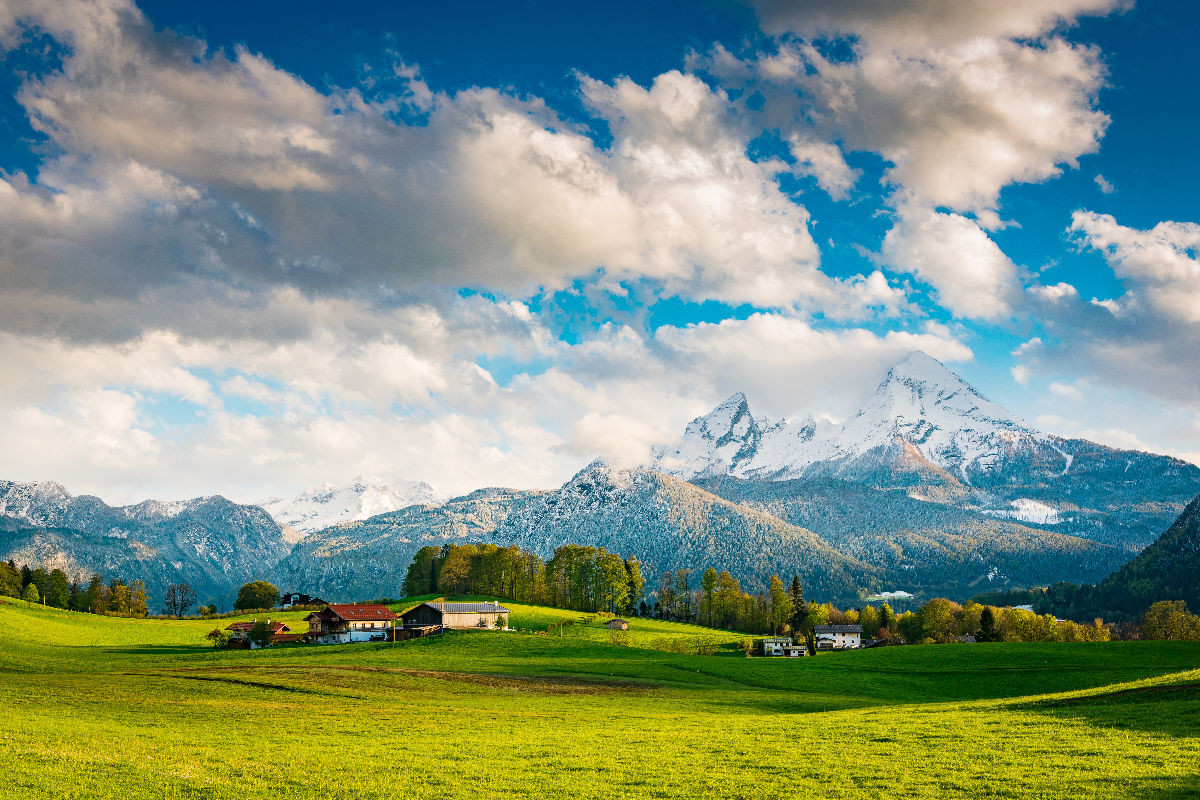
(368, 559)
(927, 431)
(211, 542)
(1169, 569)
(665, 522)
(365, 496)
(927, 548)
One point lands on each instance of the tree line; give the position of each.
(575, 577)
(117, 597)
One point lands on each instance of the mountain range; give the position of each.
(209, 542)
(329, 504)
(929, 488)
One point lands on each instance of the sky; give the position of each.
(250, 248)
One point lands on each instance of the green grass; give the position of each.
(99, 707)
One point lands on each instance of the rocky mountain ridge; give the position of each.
(210, 542)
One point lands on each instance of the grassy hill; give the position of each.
(102, 707)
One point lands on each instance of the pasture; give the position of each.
(101, 707)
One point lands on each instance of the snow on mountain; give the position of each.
(920, 403)
(364, 497)
(1027, 510)
(210, 542)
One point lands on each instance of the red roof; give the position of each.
(284, 638)
(276, 627)
(359, 613)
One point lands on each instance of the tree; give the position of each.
(987, 626)
(868, 617)
(1170, 619)
(98, 595)
(256, 594)
(10, 579)
(58, 589)
(260, 633)
(118, 597)
(798, 620)
(218, 638)
(30, 595)
(423, 572)
(455, 575)
(708, 585)
(139, 606)
(636, 583)
(887, 617)
(179, 598)
(781, 604)
(938, 620)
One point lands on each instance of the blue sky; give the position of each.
(250, 248)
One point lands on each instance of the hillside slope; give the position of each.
(665, 522)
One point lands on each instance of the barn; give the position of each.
(457, 615)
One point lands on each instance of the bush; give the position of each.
(622, 639)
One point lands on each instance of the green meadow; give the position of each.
(100, 707)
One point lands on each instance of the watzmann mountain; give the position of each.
(930, 488)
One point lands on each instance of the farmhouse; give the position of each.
(341, 623)
(239, 633)
(456, 615)
(773, 645)
(837, 637)
(617, 624)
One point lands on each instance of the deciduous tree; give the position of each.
(178, 599)
(256, 594)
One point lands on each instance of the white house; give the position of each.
(837, 637)
(774, 645)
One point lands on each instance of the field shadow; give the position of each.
(160, 650)
(1167, 788)
(1170, 710)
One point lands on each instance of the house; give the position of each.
(457, 615)
(239, 633)
(773, 645)
(297, 599)
(795, 650)
(339, 623)
(617, 624)
(837, 637)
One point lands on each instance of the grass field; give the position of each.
(99, 707)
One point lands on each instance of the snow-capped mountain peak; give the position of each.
(920, 405)
(363, 497)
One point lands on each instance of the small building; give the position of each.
(340, 623)
(239, 633)
(478, 616)
(795, 650)
(298, 599)
(837, 637)
(617, 624)
(773, 645)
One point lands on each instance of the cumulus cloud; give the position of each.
(179, 165)
(1159, 267)
(972, 276)
(1143, 338)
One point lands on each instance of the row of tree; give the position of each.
(575, 577)
(54, 588)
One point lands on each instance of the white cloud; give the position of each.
(825, 162)
(1105, 185)
(973, 278)
(1159, 267)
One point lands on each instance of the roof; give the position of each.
(284, 638)
(358, 613)
(465, 608)
(837, 628)
(275, 627)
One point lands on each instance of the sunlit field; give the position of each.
(102, 707)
